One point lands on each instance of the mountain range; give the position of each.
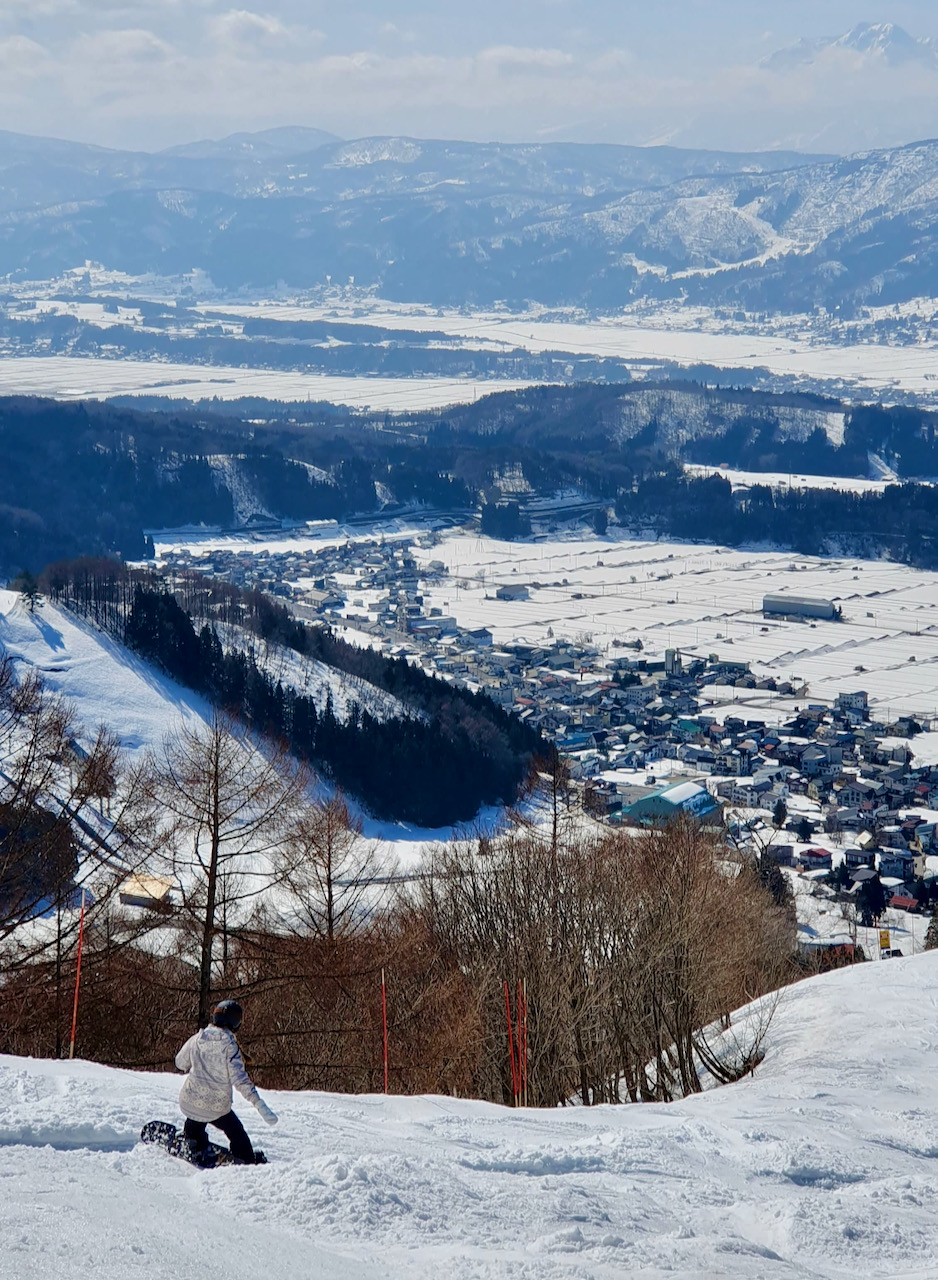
(596, 226)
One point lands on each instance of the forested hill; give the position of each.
(89, 478)
(443, 754)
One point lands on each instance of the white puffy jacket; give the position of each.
(214, 1063)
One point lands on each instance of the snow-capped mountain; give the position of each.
(449, 223)
(882, 40)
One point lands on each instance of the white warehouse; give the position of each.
(798, 607)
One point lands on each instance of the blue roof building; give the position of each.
(686, 799)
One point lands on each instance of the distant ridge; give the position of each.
(283, 141)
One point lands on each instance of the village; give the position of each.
(645, 735)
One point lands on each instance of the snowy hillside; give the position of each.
(822, 1165)
(95, 673)
(100, 676)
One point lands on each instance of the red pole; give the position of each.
(511, 1047)
(523, 986)
(81, 939)
(521, 1061)
(384, 1027)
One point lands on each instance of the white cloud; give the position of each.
(150, 72)
(242, 25)
(509, 56)
(121, 50)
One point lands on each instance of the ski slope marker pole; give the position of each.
(511, 1047)
(521, 1062)
(384, 1027)
(524, 1005)
(81, 939)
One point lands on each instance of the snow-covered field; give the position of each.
(820, 1165)
(811, 350)
(707, 599)
(89, 377)
(701, 599)
(682, 335)
(785, 480)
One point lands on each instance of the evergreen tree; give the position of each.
(839, 877)
(28, 588)
(931, 936)
(871, 900)
(779, 814)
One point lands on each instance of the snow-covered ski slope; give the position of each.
(821, 1165)
(105, 683)
(109, 685)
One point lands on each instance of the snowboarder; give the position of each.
(213, 1064)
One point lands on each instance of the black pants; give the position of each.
(233, 1130)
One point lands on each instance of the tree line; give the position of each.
(899, 522)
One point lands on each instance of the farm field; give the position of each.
(89, 377)
(680, 335)
(708, 599)
(784, 480)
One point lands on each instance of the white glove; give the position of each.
(265, 1112)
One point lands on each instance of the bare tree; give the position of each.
(632, 947)
(230, 808)
(72, 816)
(330, 869)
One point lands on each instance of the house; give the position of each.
(512, 591)
(858, 702)
(861, 793)
(686, 799)
(815, 859)
(701, 758)
(752, 794)
(856, 858)
(901, 864)
(733, 762)
(783, 854)
(153, 893)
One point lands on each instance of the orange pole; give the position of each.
(81, 939)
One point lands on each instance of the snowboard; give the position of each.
(161, 1134)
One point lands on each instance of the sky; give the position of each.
(151, 73)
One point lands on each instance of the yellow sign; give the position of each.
(884, 940)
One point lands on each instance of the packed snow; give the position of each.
(822, 1165)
